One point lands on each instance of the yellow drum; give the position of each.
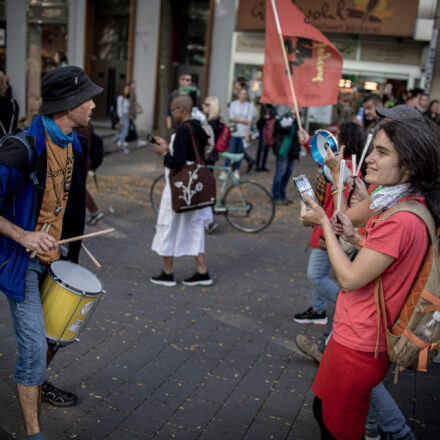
(68, 295)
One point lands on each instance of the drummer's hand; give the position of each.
(38, 241)
(315, 216)
(161, 147)
(303, 136)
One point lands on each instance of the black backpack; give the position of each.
(8, 153)
(96, 152)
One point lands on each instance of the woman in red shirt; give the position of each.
(405, 161)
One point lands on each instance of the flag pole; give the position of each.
(286, 62)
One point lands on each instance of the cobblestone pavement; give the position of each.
(209, 363)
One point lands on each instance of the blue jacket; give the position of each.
(20, 203)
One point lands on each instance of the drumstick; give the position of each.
(81, 237)
(353, 164)
(44, 228)
(89, 254)
(367, 144)
(341, 184)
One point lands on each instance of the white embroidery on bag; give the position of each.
(188, 193)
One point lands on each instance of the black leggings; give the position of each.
(317, 412)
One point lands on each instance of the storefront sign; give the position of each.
(384, 17)
(250, 43)
(396, 54)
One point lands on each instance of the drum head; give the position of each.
(319, 143)
(76, 276)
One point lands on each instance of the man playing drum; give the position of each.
(56, 203)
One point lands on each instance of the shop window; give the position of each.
(46, 35)
(190, 26)
(254, 80)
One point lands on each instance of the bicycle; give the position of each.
(247, 205)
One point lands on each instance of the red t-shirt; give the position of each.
(403, 236)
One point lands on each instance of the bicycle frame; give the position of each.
(219, 206)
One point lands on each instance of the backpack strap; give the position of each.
(418, 209)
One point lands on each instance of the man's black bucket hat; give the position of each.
(65, 88)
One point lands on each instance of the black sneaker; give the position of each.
(250, 166)
(212, 227)
(311, 317)
(57, 397)
(199, 279)
(164, 279)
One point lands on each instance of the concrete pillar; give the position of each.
(224, 27)
(76, 32)
(145, 59)
(16, 50)
(435, 85)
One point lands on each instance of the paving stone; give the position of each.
(172, 393)
(148, 419)
(240, 409)
(221, 430)
(195, 414)
(171, 431)
(271, 428)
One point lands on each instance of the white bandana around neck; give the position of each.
(388, 196)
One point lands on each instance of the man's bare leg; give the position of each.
(168, 263)
(201, 265)
(30, 399)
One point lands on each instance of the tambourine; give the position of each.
(328, 174)
(319, 143)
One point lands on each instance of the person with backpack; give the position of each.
(42, 174)
(405, 163)
(286, 149)
(8, 108)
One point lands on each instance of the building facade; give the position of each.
(386, 48)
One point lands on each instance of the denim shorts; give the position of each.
(28, 323)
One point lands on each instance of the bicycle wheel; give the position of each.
(249, 207)
(156, 190)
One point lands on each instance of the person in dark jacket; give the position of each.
(56, 205)
(286, 150)
(267, 112)
(183, 233)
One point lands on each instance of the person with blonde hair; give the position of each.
(211, 108)
(8, 108)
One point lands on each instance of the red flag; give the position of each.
(314, 63)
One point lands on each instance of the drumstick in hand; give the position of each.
(45, 228)
(90, 255)
(82, 237)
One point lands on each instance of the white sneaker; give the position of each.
(222, 175)
(237, 174)
(142, 143)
